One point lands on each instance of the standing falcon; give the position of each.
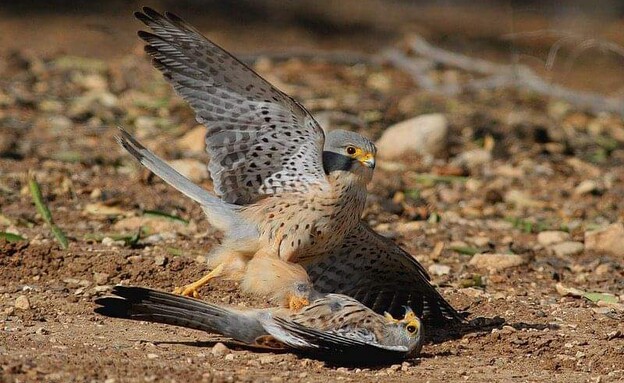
(287, 193)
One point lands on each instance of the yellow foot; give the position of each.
(296, 303)
(187, 291)
(191, 290)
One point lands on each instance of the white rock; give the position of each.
(496, 262)
(22, 303)
(438, 269)
(472, 158)
(567, 248)
(547, 238)
(192, 169)
(586, 187)
(220, 349)
(609, 239)
(425, 135)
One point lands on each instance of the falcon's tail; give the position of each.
(220, 214)
(155, 306)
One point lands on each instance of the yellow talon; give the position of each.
(192, 289)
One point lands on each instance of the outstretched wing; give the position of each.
(355, 347)
(260, 141)
(378, 273)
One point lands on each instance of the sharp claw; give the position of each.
(186, 291)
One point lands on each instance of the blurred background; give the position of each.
(587, 36)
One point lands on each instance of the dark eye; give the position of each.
(411, 329)
(350, 150)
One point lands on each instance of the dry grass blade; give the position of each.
(42, 208)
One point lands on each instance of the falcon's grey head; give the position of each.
(349, 151)
(406, 332)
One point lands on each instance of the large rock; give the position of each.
(609, 239)
(425, 135)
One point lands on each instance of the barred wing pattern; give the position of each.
(381, 275)
(260, 141)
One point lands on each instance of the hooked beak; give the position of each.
(368, 160)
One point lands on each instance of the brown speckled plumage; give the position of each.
(267, 159)
(287, 194)
(332, 326)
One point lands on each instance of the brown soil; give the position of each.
(51, 126)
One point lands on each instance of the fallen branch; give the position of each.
(496, 76)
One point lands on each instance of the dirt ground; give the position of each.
(515, 165)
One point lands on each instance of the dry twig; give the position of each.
(496, 76)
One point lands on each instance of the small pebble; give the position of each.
(551, 237)
(567, 248)
(438, 269)
(160, 260)
(220, 349)
(22, 303)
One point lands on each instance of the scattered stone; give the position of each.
(42, 331)
(152, 356)
(425, 135)
(547, 238)
(158, 237)
(220, 349)
(567, 248)
(190, 168)
(103, 288)
(520, 199)
(22, 303)
(229, 357)
(480, 241)
(268, 359)
(60, 123)
(603, 269)
(438, 269)
(614, 334)
(472, 158)
(472, 292)
(496, 262)
(107, 241)
(161, 260)
(586, 187)
(193, 140)
(100, 278)
(609, 239)
(568, 291)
